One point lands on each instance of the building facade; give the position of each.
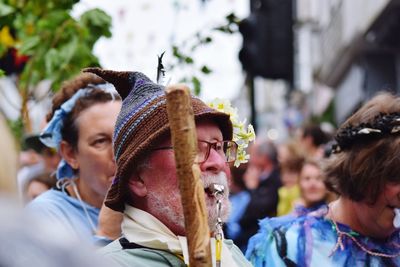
(351, 46)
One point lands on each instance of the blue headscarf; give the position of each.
(51, 135)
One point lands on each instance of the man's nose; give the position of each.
(214, 163)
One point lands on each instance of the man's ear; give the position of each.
(69, 154)
(137, 185)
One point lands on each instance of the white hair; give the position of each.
(160, 202)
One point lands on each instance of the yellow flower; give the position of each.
(248, 135)
(240, 135)
(241, 157)
(5, 37)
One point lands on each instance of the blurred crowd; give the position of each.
(279, 179)
(102, 174)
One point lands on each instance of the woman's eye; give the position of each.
(99, 142)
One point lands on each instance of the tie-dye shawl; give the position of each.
(312, 240)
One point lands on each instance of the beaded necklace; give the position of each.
(352, 235)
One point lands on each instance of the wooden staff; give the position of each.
(184, 141)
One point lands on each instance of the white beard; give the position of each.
(161, 204)
(211, 203)
(166, 203)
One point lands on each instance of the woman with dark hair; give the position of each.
(361, 227)
(80, 125)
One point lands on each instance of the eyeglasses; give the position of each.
(227, 150)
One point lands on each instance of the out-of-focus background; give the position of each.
(282, 63)
(304, 59)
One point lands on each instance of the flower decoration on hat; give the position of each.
(241, 135)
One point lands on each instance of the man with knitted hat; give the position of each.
(146, 189)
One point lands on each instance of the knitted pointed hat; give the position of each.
(143, 121)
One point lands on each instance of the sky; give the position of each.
(143, 29)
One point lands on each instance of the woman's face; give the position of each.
(94, 153)
(311, 184)
(376, 220)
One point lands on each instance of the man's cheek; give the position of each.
(227, 171)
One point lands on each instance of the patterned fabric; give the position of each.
(143, 121)
(311, 240)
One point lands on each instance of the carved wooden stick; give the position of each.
(184, 141)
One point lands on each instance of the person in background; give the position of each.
(239, 198)
(49, 155)
(313, 190)
(263, 179)
(289, 149)
(146, 189)
(361, 227)
(312, 141)
(39, 184)
(80, 126)
(46, 163)
(29, 240)
(289, 193)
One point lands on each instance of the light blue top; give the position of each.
(239, 204)
(312, 240)
(66, 211)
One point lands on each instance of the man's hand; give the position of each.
(109, 223)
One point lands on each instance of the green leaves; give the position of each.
(27, 47)
(57, 44)
(52, 60)
(231, 25)
(184, 52)
(52, 21)
(17, 128)
(183, 58)
(5, 9)
(98, 23)
(205, 70)
(196, 85)
(189, 60)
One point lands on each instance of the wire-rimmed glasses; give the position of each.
(227, 149)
